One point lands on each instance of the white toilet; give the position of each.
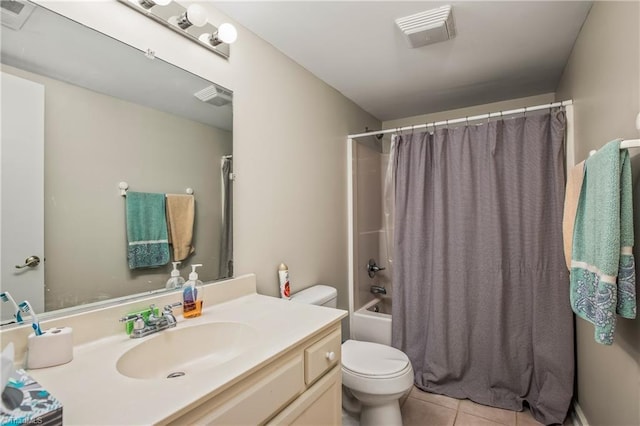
(374, 376)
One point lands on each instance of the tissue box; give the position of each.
(37, 406)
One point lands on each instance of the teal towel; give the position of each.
(146, 230)
(603, 281)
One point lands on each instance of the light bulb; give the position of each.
(227, 33)
(197, 15)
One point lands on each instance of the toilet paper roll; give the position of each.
(53, 347)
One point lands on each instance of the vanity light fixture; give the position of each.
(148, 4)
(192, 22)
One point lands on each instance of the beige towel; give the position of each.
(180, 217)
(571, 197)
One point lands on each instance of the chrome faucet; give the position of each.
(376, 289)
(143, 327)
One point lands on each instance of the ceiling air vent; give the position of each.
(15, 13)
(215, 95)
(428, 27)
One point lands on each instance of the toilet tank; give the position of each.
(323, 295)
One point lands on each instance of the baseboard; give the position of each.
(577, 415)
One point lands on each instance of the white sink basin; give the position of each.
(184, 351)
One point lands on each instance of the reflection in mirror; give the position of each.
(88, 112)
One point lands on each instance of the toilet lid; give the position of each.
(373, 359)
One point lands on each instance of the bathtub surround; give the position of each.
(479, 269)
(372, 322)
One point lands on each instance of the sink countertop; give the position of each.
(92, 391)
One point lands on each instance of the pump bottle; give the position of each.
(192, 295)
(176, 281)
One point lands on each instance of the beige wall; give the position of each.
(94, 141)
(290, 152)
(602, 77)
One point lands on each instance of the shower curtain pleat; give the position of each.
(480, 286)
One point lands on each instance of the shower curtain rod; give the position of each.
(466, 119)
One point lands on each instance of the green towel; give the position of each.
(146, 230)
(602, 266)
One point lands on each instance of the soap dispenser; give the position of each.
(176, 281)
(192, 295)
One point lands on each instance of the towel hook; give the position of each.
(123, 188)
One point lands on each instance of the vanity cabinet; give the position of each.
(302, 386)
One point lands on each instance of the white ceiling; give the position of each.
(503, 50)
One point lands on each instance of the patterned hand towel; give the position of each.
(146, 230)
(180, 217)
(602, 266)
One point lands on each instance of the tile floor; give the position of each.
(428, 409)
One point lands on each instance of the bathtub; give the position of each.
(372, 322)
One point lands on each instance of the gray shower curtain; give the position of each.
(481, 290)
(226, 240)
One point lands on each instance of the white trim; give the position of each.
(609, 279)
(579, 419)
(350, 230)
(466, 119)
(570, 146)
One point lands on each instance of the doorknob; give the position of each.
(31, 262)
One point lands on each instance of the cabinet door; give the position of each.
(320, 405)
(252, 401)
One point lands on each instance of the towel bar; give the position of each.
(124, 186)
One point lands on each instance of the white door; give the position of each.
(21, 191)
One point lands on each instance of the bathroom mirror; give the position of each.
(112, 113)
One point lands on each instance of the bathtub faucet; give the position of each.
(376, 289)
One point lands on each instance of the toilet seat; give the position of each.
(375, 368)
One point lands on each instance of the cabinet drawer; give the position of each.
(321, 356)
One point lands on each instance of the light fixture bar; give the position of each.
(177, 18)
